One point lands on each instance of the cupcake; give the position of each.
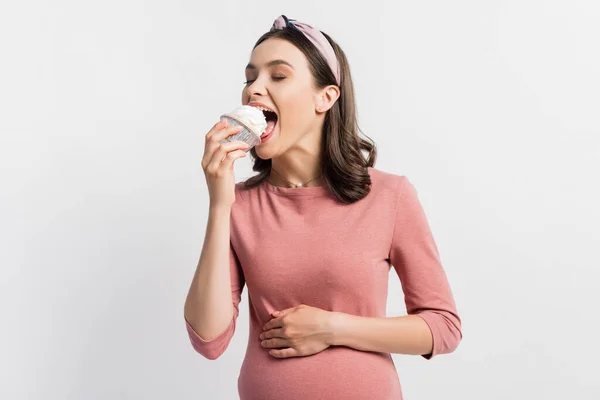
(253, 122)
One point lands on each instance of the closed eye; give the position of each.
(275, 78)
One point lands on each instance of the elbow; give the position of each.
(210, 349)
(453, 338)
(450, 332)
(446, 331)
(211, 353)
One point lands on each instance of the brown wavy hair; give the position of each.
(344, 166)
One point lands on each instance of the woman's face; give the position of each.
(279, 78)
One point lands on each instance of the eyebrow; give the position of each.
(271, 64)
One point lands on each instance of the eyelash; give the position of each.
(276, 78)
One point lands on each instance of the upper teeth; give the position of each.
(261, 108)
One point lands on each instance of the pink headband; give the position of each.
(316, 37)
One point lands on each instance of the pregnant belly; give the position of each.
(338, 372)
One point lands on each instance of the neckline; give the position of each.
(314, 191)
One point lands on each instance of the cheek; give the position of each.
(296, 121)
(297, 110)
(245, 97)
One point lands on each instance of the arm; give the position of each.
(432, 325)
(211, 306)
(403, 335)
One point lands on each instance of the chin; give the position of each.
(264, 153)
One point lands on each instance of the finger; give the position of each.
(281, 313)
(226, 147)
(274, 323)
(216, 127)
(224, 132)
(284, 353)
(230, 158)
(221, 154)
(212, 143)
(275, 343)
(271, 333)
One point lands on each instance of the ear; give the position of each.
(326, 98)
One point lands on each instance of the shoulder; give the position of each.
(240, 190)
(388, 190)
(243, 193)
(388, 180)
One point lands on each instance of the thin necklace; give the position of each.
(296, 185)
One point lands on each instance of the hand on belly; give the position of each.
(298, 331)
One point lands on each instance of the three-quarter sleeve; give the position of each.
(415, 257)
(213, 348)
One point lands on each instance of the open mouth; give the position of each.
(271, 118)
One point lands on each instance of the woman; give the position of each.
(313, 236)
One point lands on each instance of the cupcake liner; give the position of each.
(245, 135)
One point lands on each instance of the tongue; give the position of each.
(269, 128)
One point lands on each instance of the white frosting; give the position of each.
(250, 116)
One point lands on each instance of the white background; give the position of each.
(490, 108)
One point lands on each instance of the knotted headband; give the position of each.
(316, 37)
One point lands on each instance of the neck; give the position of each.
(295, 172)
(276, 180)
(301, 163)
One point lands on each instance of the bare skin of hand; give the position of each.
(298, 331)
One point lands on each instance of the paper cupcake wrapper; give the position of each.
(245, 135)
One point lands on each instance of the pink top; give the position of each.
(294, 246)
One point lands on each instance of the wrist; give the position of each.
(219, 208)
(337, 322)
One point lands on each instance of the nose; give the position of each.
(251, 94)
(256, 88)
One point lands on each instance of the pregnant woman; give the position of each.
(313, 237)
